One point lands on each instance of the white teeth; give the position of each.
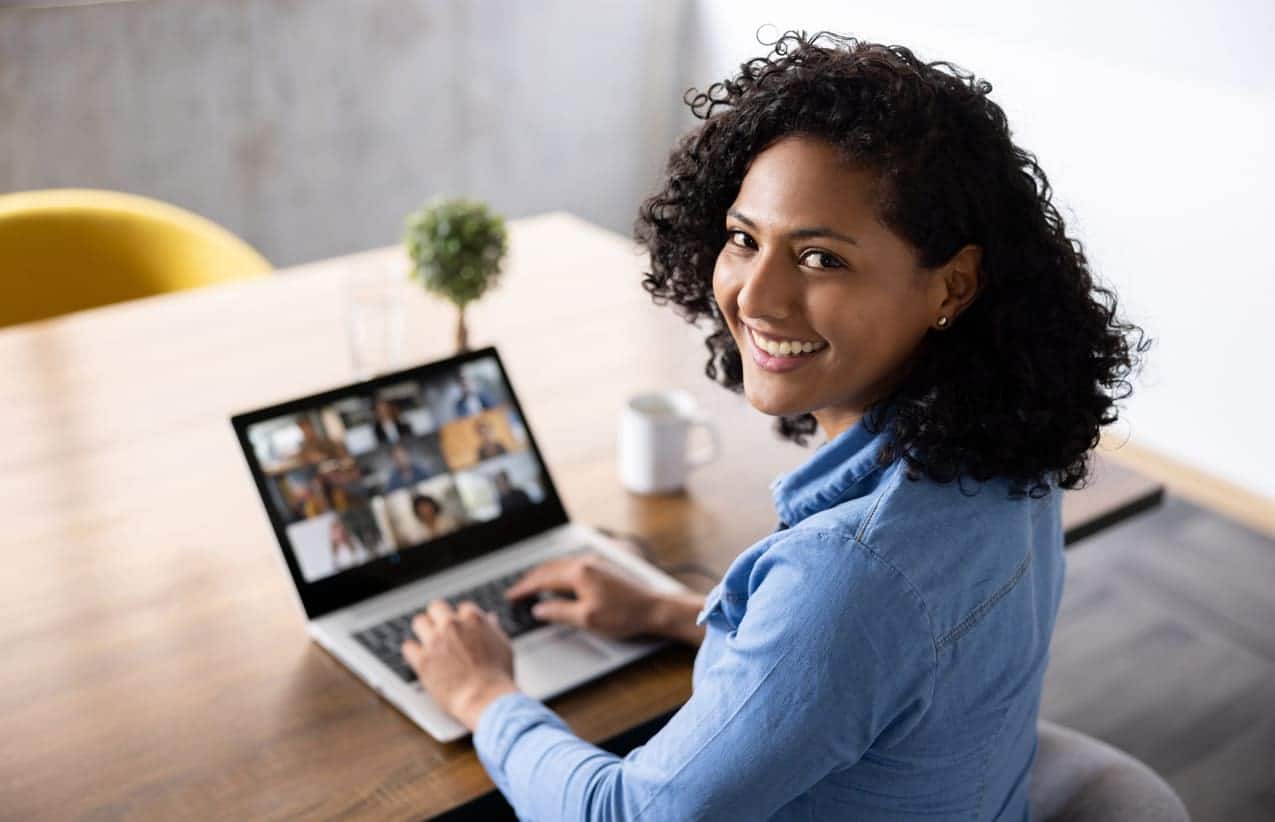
(786, 348)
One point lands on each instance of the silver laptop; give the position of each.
(423, 484)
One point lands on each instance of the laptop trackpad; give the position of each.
(550, 665)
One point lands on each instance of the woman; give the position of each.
(878, 261)
(313, 498)
(316, 447)
(432, 517)
(347, 549)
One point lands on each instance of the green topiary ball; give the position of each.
(456, 247)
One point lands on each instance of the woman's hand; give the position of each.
(462, 658)
(607, 602)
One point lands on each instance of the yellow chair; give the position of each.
(64, 250)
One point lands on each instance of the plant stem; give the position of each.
(462, 333)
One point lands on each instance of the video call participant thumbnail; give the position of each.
(430, 514)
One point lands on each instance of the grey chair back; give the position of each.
(1077, 778)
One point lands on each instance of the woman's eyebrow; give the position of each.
(812, 231)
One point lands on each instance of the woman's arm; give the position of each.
(832, 649)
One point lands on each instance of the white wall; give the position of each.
(1155, 123)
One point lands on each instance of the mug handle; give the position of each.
(705, 455)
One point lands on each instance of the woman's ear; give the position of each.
(959, 281)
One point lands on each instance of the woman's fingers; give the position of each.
(554, 575)
(432, 617)
(411, 650)
(469, 609)
(438, 611)
(566, 611)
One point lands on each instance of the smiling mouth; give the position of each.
(779, 363)
(783, 348)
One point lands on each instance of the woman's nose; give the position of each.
(770, 287)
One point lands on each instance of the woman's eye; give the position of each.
(825, 259)
(740, 239)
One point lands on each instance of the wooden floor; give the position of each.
(1165, 647)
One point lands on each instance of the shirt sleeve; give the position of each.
(833, 652)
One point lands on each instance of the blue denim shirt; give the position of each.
(878, 657)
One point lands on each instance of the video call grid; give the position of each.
(364, 477)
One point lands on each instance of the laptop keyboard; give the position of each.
(386, 639)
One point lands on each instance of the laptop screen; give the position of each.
(381, 482)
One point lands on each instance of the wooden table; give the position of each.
(155, 663)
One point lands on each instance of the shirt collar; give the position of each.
(832, 473)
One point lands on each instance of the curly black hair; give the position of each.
(417, 499)
(1021, 384)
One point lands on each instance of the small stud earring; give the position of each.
(942, 322)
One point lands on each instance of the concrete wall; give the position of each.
(311, 127)
(1154, 123)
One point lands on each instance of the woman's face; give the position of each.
(426, 512)
(806, 260)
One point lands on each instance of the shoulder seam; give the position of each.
(925, 608)
(822, 533)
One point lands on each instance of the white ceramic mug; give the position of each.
(655, 427)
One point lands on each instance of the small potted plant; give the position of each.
(456, 247)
